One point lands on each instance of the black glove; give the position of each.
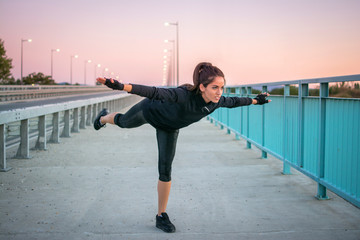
(113, 84)
(261, 98)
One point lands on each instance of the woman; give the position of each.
(168, 110)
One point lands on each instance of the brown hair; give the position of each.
(204, 73)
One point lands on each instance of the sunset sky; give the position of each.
(252, 41)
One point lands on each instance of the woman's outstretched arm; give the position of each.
(127, 87)
(167, 94)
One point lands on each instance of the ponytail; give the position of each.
(204, 73)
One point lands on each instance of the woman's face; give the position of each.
(213, 91)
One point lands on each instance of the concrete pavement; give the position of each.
(102, 185)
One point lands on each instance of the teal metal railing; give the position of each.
(317, 135)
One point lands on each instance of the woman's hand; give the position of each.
(260, 99)
(111, 83)
(101, 80)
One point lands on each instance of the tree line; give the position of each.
(340, 90)
(6, 77)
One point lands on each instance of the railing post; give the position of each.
(66, 130)
(237, 93)
(228, 131)
(83, 118)
(3, 167)
(324, 93)
(55, 129)
(41, 141)
(248, 144)
(75, 127)
(23, 150)
(243, 93)
(303, 92)
(286, 166)
(263, 154)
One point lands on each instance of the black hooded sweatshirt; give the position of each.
(175, 108)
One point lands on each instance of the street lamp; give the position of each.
(71, 58)
(52, 51)
(177, 47)
(104, 70)
(22, 41)
(85, 62)
(172, 60)
(95, 74)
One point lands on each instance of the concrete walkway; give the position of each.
(102, 185)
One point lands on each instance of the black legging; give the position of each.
(166, 139)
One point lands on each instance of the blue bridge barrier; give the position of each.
(317, 135)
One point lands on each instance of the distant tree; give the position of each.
(277, 91)
(314, 92)
(5, 66)
(38, 78)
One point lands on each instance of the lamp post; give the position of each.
(71, 58)
(172, 60)
(22, 41)
(85, 62)
(177, 48)
(164, 73)
(168, 68)
(52, 51)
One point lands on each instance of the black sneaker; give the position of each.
(97, 124)
(163, 222)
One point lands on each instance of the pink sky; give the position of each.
(252, 41)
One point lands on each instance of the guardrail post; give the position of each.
(55, 129)
(264, 154)
(75, 127)
(41, 141)
(324, 93)
(82, 117)
(112, 106)
(88, 117)
(248, 144)
(66, 130)
(23, 150)
(94, 112)
(3, 167)
(286, 166)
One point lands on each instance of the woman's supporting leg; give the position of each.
(167, 146)
(163, 195)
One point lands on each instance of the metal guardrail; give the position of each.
(65, 118)
(43, 87)
(21, 92)
(318, 136)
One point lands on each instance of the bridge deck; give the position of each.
(102, 185)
